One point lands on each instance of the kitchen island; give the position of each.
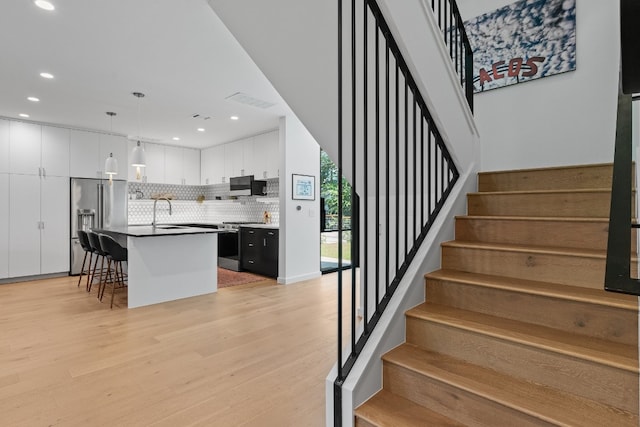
(168, 262)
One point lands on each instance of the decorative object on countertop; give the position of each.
(266, 217)
(200, 198)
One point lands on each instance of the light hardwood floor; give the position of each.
(250, 355)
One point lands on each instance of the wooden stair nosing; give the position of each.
(603, 220)
(553, 290)
(387, 409)
(537, 192)
(607, 353)
(540, 250)
(548, 169)
(503, 389)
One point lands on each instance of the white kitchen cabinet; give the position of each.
(118, 146)
(191, 166)
(54, 233)
(213, 166)
(84, 154)
(24, 225)
(267, 155)
(154, 171)
(173, 167)
(55, 151)
(248, 158)
(4, 146)
(24, 148)
(233, 159)
(4, 225)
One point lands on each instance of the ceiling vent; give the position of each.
(243, 98)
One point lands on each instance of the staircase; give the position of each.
(516, 329)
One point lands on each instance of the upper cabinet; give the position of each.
(258, 156)
(25, 140)
(212, 166)
(84, 153)
(191, 166)
(55, 151)
(168, 164)
(38, 150)
(4, 146)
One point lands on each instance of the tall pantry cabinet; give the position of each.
(4, 199)
(38, 199)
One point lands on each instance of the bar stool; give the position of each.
(96, 248)
(116, 255)
(86, 246)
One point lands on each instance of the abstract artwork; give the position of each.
(523, 41)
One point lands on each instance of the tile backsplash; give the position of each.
(185, 208)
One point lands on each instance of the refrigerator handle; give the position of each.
(100, 206)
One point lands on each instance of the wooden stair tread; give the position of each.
(602, 220)
(542, 250)
(546, 169)
(523, 192)
(536, 400)
(388, 409)
(566, 292)
(616, 355)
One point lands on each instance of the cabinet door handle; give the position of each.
(264, 241)
(251, 261)
(250, 245)
(44, 173)
(270, 233)
(251, 232)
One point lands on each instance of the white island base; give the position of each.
(166, 268)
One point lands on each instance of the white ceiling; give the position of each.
(177, 52)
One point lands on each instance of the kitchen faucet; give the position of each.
(155, 202)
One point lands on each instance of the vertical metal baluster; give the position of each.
(377, 167)
(415, 167)
(354, 220)
(406, 167)
(365, 182)
(422, 195)
(397, 169)
(387, 162)
(337, 390)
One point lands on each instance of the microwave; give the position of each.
(247, 186)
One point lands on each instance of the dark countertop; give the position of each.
(160, 230)
(258, 225)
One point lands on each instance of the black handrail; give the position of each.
(618, 266)
(392, 137)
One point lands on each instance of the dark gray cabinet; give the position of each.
(259, 250)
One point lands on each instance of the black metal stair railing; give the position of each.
(618, 275)
(400, 170)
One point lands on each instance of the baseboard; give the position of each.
(300, 278)
(30, 278)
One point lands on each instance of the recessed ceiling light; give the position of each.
(46, 75)
(23, 115)
(175, 138)
(234, 117)
(200, 129)
(43, 4)
(33, 99)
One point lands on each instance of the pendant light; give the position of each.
(111, 163)
(138, 158)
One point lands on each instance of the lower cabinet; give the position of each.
(259, 250)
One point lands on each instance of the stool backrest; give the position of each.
(94, 242)
(112, 248)
(84, 241)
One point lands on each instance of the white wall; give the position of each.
(559, 120)
(299, 257)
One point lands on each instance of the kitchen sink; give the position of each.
(169, 227)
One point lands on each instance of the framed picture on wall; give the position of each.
(304, 187)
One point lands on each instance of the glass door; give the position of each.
(329, 235)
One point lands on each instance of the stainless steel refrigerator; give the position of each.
(95, 203)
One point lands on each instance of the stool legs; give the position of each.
(84, 260)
